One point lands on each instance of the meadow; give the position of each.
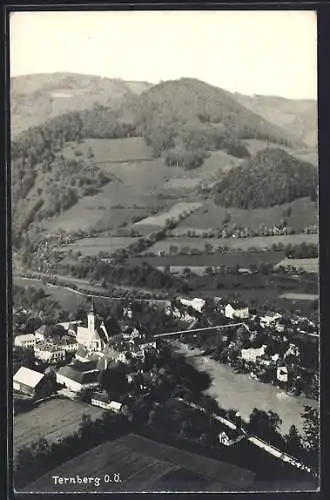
(228, 259)
(308, 265)
(93, 246)
(176, 211)
(210, 216)
(51, 420)
(172, 245)
(103, 150)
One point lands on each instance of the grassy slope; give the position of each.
(295, 116)
(36, 98)
(304, 213)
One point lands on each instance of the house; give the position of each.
(101, 400)
(28, 381)
(25, 341)
(282, 374)
(251, 354)
(95, 336)
(68, 344)
(229, 437)
(76, 377)
(40, 333)
(269, 319)
(237, 311)
(49, 353)
(195, 303)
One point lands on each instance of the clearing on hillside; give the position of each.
(179, 210)
(109, 150)
(173, 246)
(211, 216)
(308, 265)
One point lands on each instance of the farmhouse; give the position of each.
(76, 377)
(237, 310)
(68, 344)
(28, 381)
(252, 354)
(195, 303)
(101, 400)
(95, 337)
(26, 341)
(49, 353)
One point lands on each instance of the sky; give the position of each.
(252, 52)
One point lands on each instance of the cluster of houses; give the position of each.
(93, 349)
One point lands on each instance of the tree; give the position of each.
(311, 428)
(293, 441)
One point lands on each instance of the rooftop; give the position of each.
(28, 377)
(148, 465)
(82, 377)
(26, 336)
(48, 347)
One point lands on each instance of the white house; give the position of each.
(269, 319)
(238, 311)
(49, 353)
(253, 354)
(68, 344)
(28, 381)
(195, 303)
(95, 337)
(26, 341)
(101, 400)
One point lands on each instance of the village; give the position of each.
(75, 354)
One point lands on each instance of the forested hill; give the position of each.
(271, 177)
(175, 106)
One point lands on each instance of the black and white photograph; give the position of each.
(164, 251)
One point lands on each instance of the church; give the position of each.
(95, 336)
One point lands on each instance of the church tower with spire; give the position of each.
(91, 317)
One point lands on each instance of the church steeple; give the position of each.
(92, 307)
(91, 317)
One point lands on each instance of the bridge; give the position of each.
(196, 330)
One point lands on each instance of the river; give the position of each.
(239, 391)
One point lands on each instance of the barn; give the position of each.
(28, 381)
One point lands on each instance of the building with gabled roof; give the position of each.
(237, 310)
(78, 376)
(26, 341)
(28, 381)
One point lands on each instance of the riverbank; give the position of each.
(239, 391)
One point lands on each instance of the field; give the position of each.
(93, 246)
(174, 212)
(303, 213)
(244, 244)
(230, 259)
(308, 265)
(68, 300)
(299, 296)
(51, 420)
(145, 465)
(133, 148)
